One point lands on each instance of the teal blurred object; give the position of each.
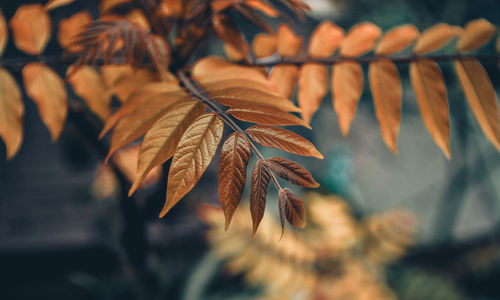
(338, 169)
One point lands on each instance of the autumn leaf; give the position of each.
(264, 45)
(243, 96)
(313, 86)
(284, 77)
(265, 115)
(11, 113)
(261, 176)
(387, 92)
(234, 158)
(282, 139)
(47, 89)
(436, 37)
(226, 30)
(289, 44)
(4, 33)
(360, 39)
(476, 34)
(324, 40)
(432, 101)
(397, 39)
(31, 28)
(291, 171)
(347, 85)
(208, 65)
(70, 27)
(293, 208)
(107, 5)
(194, 153)
(161, 140)
(216, 86)
(481, 97)
(53, 4)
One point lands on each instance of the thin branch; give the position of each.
(208, 101)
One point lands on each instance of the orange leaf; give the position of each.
(194, 153)
(11, 113)
(264, 45)
(397, 39)
(265, 115)
(432, 100)
(47, 89)
(261, 176)
(386, 89)
(360, 39)
(436, 37)
(107, 5)
(234, 158)
(208, 65)
(325, 39)
(161, 140)
(131, 81)
(4, 33)
(291, 171)
(481, 96)
(476, 34)
(31, 28)
(70, 27)
(238, 83)
(347, 85)
(264, 8)
(284, 77)
(293, 208)
(282, 139)
(53, 4)
(242, 96)
(313, 86)
(289, 44)
(225, 29)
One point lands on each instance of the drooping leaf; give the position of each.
(70, 27)
(194, 153)
(293, 208)
(47, 89)
(261, 176)
(161, 140)
(313, 86)
(282, 139)
(397, 39)
(325, 39)
(265, 115)
(53, 4)
(264, 45)
(234, 158)
(476, 34)
(432, 100)
(360, 39)
(436, 37)
(242, 96)
(289, 44)
(4, 33)
(11, 113)
(141, 119)
(347, 85)
(226, 30)
(481, 97)
(31, 28)
(291, 171)
(132, 81)
(387, 92)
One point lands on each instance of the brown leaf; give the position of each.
(436, 37)
(432, 100)
(107, 5)
(47, 89)
(397, 39)
(293, 208)
(234, 158)
(161, 140)
(289, 44)
(264, 45)
(360, 39)
(387, 92)
(266, 9)
(313, 86)
(325, 39)
(265, 115)
(11, 113)
(69, 28)
(233, 53)
(291, 171)
(226, 30)
(132, 81)
(208, 65)
(347, 85)
(282, 139)
(238, 83)
(284, 77)
(141, 119)
(261, 176)
(4, 33)
(481, 97)
(476, 34)
(243, 96)
(53, 4)
(31, 28)
(194, 153)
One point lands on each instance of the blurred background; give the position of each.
(412, 226)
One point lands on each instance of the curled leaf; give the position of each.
(436, 37)
(261, 176)
(31, 28)
(293, 208)
(265, 115)
(11, 113)
(476, 34)
(397, 39)
(291, 171)
(347, 85)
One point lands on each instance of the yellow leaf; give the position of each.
(4, 33)
(397, 39)
(241, 96)
(284, 77)
(347, 85)
(69, 28)
(325, 39)
(264, 45)
(432, 100)
(436, 37)
(47, 89)
(386, 89)
(161, 140)
(360, 39)
(313, 86)
(289, 44)
(53, 4)
(31, 28)
(88, 84)
(194, 153)
(481, 96)
(266, 115)
(476, 34)
(11, 113)
(141, 119)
